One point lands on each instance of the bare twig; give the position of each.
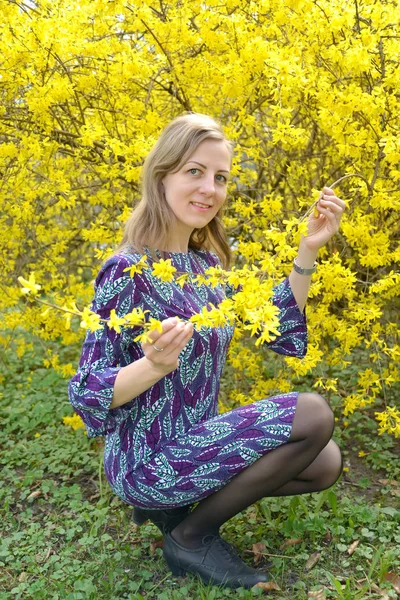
(333, 185)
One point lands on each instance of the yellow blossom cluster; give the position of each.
(308, 91)
(389, 420)
(75, 422)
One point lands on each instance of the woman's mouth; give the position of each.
(201, 206)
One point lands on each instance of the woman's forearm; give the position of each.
(300, 284)
(134, 379)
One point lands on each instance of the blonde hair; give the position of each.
(152, 219)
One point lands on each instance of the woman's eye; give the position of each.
(195, 171)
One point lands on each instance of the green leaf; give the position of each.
(389, 510)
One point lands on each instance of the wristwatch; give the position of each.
(302, 270)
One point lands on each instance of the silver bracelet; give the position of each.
(302, 271)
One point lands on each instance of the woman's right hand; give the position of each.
(173, 338)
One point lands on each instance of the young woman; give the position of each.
(166, 446)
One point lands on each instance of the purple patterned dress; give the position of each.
(169, 447)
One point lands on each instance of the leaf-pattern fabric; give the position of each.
(169, 446)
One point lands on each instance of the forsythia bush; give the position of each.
(309, 91)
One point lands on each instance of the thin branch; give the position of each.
(184, 100)
(357, 17)
(333, 185)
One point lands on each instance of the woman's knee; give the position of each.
(338, 469)
(333, 465)
(314, 417)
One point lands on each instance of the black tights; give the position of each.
(310, 461)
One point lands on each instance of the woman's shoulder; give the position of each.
(123, 257)
(117, 265)
(208, 256)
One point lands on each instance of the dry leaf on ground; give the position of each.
(394, 580)
(352, 547)
(156, 544)
(41, 558)
(317, 594)
(268, 586)
(327, 537)
(383, 593)
(389, 482)
(292, 542)
(312, 561)
(258, 550)
(34, 494)
(394, 486)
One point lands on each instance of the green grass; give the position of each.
(66, 536)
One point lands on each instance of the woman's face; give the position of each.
(197, 191)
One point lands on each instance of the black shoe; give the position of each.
(216, 562)
(165, 520)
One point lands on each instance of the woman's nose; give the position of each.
(208, 186)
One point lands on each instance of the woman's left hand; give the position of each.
(326, 224)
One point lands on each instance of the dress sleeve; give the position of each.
(293, 340)
(90, 390)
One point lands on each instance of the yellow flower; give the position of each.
(90, 320)
(75, 422)
(215, 276)
(201, 319)
(233, 278)
(152, 325)
(68, 316)
(330, 384)
(30, 286)
(200, 280)
(181, 280)
(136, 317)
(389, 421)
(138, 267)
(115, 321)
(37, 435)
(362, 453)
(319, 383)
(164, 270)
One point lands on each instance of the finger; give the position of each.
(163, 339)
(167, 340)
(182, 339)
(326, 212)
(171, 349)
(336, 208)
(325, 195)
(328, 191)
(167, 325)
(339, 201)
